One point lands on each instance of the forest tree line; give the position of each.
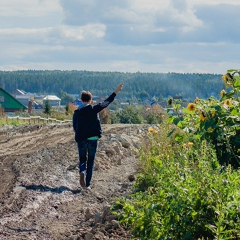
(164, 85)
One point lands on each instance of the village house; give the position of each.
(53, 100)
(10, 103)
(26, 97)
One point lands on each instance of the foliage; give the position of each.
(47, 108)
(130, 114)
(65, 97)
(115, 105)
(6, 121)
(182, 192)
(102, 83)
(216, 121)
(143, 95)
(59, 114)
(105, 116)
(70, 108)
(153, 114)
(139, 114)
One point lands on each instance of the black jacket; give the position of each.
(86, 122)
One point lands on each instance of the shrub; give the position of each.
(153, 114)
(130, 114)
(182, 193)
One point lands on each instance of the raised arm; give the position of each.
(119, 88)
(99, 107)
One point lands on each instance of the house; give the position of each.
(9, 103)
(23, 99)
(53, 100)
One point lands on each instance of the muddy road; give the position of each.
(40, 195)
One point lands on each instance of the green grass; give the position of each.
(14, 122)
(62, 116)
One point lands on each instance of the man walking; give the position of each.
(88, 131)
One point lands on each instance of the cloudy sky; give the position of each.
(201, 36)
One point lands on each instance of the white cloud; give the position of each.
(135, 18)
(127, 35)
(58, 35)
(28, 8)
(215, 2)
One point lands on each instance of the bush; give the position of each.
(182, 192)
(130, 114)
(153, 114)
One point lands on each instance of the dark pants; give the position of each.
(87, 152)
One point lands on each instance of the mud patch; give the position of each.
(40, 196)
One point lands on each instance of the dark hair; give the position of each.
(86, 96)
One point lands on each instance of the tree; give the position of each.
(143, 95)
(153, 114)
(130, 114)
(47, 108)
(65, 98)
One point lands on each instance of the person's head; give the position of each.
(86, 96)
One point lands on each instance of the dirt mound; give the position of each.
(40, 197)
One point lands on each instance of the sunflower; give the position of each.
(222, 93)
(228, 102)
(190, 144)
(227, 85)
(196, 100)
(150, 129)
(203, 118)
(224, 78)
(191, 107)
(202, 115)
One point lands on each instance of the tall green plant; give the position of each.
(47, 108)
(181, 193)
(217, 121)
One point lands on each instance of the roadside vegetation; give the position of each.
(189, 185)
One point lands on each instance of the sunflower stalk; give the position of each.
(215, 121)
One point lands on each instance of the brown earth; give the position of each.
(40, 196)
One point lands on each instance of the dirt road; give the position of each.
(40, 197)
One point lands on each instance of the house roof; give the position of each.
(22, 92)
(27, 97)
(52, 97)
(7, 101)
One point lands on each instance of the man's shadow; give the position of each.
(42, 188)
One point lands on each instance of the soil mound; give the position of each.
(40, 195)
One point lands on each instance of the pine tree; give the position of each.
(47, 108)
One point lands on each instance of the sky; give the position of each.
(183, 36)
